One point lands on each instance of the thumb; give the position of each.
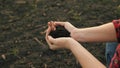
(51, 39)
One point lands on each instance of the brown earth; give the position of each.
(22, 25)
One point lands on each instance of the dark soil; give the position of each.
(59, 32)
(23, 22)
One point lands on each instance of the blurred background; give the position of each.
(23, 22)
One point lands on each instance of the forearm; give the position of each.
(101, 33)
(86, 59)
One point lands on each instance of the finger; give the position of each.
(53, 47)
(48, 42)
(51, 44)
(59, 23)
(52, 26)
(49, 24)
(48, 31)
(51, 39)
(46, 38)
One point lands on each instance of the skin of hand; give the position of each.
(68, 26)
(102, 33)
(57, 43)
(86, 59)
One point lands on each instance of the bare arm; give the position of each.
(100, 33)
(85, 58)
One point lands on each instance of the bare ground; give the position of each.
(22, 25)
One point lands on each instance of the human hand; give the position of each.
(67, 25)
(53, 24)
(63, 42)
(58, 43)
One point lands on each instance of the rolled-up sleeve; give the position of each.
(117, 28)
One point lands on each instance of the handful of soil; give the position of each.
(60, 32)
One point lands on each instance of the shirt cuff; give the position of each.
(117, 28)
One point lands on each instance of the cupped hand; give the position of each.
(58, 43)
(67, 25)
(62, 42)
(53, 24)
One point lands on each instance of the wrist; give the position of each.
(74, 34)
(71, 43)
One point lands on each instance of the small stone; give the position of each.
(3, 56)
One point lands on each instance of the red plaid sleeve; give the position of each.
(117, 28)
